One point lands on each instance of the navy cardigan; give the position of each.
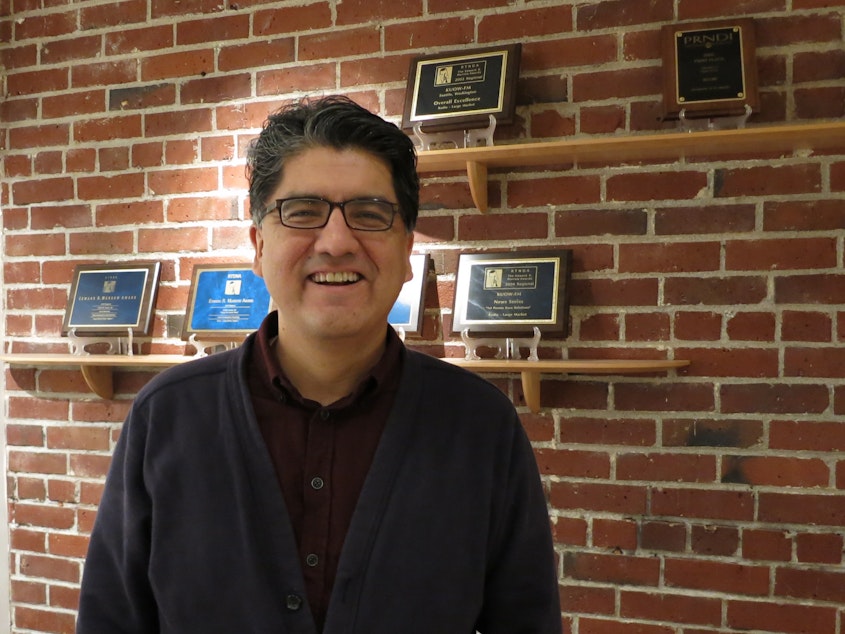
(450, 534)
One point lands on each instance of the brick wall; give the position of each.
(710, 499)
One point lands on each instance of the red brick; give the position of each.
(64, 50)
(702, 503)
(664, 396)
(339, 43)
(820, 548)
(491, 226)
(39, 136)
(615, 534)
(45, 26)
(216, 89)
(666, 467)
(568, 53)
(604, 292)
(122, 41)
(293, 20)
(775, 471)
(306, 77)
(50, 568)
(183, 181)
(818, 215)
(525, 24)
(184, 122)
(253, 54)
(815, 362)
(676, 608)
(615, 498)
(806, 509)
(755, 255)
(818, 288)
(663, 536)
(766, 545)
(717, 291)
(705, 219)
(616, 569)
(698, 326)
(216, 29)
(113, 14)
(104, 73)
(181, 64)
(427, 34)
(358, 11)
(717, 576)
(751, 326)
(806, 436)
(563, 463)
(52, 517)
(768, 181)
(781, 398)
(39, 620)
(777, 616)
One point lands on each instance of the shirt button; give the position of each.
(312, 560)
(317, 483)
(293, 602)
(325, 414)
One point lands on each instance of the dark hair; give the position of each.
(336, 122)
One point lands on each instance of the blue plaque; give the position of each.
(108, 299)
(512, 292)
(227, 301)
(407, 311)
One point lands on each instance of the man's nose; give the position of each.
(336, 237)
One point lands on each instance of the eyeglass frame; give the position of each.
(277, 207)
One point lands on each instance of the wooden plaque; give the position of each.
(111, 299)
(513, 292)
(461, 89)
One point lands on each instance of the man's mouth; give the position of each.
(339, 277)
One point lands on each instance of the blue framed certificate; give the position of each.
(407, 311)
(110, 299)
(226, 302)
(513, 292)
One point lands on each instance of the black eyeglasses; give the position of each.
(362, 214)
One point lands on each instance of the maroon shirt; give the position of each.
(321, 454)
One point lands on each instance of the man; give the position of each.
(322, 477)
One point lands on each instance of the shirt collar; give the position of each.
(381, 375)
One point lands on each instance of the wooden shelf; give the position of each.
(613, 149)
(530, 371)
(97, 368)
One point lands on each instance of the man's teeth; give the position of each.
(344, 277)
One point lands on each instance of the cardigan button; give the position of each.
(293, 602)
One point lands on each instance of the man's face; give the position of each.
(333, 281)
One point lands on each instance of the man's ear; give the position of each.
(257, 239)
(409, 273)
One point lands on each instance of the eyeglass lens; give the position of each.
(312, 213)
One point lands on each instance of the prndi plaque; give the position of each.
(709, 69)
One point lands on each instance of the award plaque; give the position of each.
(709, 69)
(112, 299)
(407, 311)
(226, 302)
(513, 292)
(461, 89)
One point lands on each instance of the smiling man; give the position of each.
(322, 478)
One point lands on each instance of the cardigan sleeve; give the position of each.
(116, 596)
(521, 589)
